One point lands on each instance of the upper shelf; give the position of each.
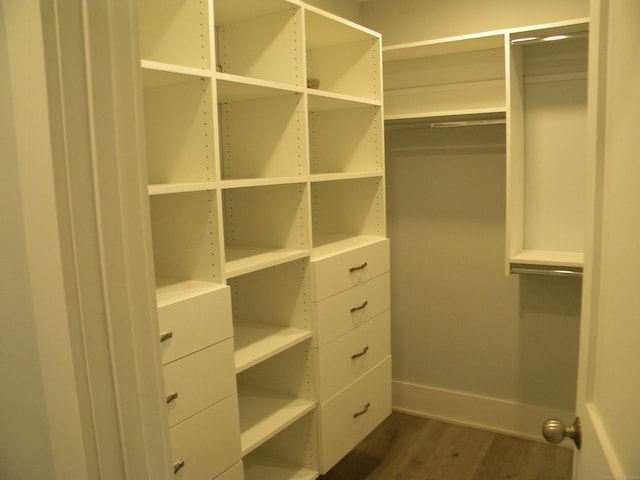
(455, 76)
(443, 46)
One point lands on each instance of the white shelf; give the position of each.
(260, 181)
(263, 414)
(256, 342)
(549, 258)
(444, 46)
(166, 188)
(242, 260)
(175, 32)
(236, 88)
(169, 290)
(341, 57)
(328, 245)
(328, 177)
(348, 208)
(326, 30)
(185, 235)
(158, 74)
(320, 100)
(263, 467)
(425, 118)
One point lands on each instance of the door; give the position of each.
(609, 368)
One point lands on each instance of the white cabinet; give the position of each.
(352, 325)
(265, 157)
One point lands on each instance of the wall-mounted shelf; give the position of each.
(454, 76)
(546, 147)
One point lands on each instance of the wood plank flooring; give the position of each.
(412, 448)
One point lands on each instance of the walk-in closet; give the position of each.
(249, 234)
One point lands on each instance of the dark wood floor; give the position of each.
(410, 448)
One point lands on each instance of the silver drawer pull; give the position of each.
(359, 267)
(360, 307)
(359, 354)
(363, 411)
(172, 396)
(164, 336)
(178, 466)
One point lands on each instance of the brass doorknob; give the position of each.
(554, 431)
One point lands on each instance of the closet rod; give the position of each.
(468, 123)
(548, 38)
(444, 124)
(553, 272)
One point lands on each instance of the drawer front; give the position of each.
(345, 419)
(349, 357)
(194, 323)
(208, 443)
(234, 473)
(342, 271)
(341, 313)
(199, 380)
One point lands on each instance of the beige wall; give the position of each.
(458, 322)
(402, 21)
(349, 9)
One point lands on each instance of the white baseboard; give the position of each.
(487, 413)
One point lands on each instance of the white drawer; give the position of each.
(352, 414)
(234, 473)
(208, 443)
(342, 271)
(194, 322)
(347, 358)
(341, 313)
(199, 380)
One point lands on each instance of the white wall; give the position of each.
(39, 417)
(402, 21)
(469, 343)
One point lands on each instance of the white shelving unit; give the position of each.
(547, 148)
(265, 158)
(458, 76)
(532, 79)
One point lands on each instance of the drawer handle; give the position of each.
(360, 307)
(359, 354)
(359, 267)
(178, 466)
(363, 411)
(172, 396)
(164, 336)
